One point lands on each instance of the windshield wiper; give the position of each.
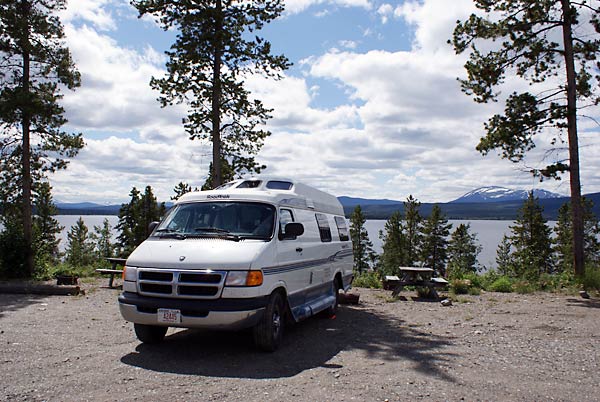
(211, 229)
(220, 233)
(171, 233)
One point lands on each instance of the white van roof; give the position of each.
(278, 191)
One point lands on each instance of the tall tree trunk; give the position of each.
(576, 206)
(26, 151)
(216, 98)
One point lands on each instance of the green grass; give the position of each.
(367, 280)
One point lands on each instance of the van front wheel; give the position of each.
(150, 333)
(269, 331)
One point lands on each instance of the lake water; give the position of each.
(489, 232)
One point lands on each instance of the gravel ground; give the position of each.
(489, 347)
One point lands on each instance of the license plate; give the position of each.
(169, 316)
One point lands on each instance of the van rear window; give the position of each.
(342, 228)
(324, 229)
(279, 185)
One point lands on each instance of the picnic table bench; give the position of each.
(113, 270)
(420, 277)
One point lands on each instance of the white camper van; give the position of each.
(250, 253)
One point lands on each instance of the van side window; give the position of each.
(342, 228)
(324, 229)
(285, 217)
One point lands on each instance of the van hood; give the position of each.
(202, 253)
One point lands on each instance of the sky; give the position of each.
(370, 108)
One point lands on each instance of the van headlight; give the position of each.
(129, 273)
(244, 278)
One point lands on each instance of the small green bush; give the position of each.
(367, 280)
(475, 279)
(502, 284)
(67, 269)
(591, 278)
(524, 287)
(460, 286)
(487, 279)
(473, 291)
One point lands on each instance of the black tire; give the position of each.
(331, 311)
(269, 331)
(150, 333)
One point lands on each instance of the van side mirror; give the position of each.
(151, 227)
(293, 230)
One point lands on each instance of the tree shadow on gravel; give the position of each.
(14, 302)
(308, 345)
(592, 303)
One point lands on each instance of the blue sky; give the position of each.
(371, 107)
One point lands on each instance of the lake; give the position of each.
(489, 232)
(489, 235)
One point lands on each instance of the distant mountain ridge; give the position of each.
(499, 194)
(494, 207)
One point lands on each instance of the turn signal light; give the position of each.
(254, 278)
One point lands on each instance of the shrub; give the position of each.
(591, 278)
(367, 280)
(523, 287)
(460, 286)
(487, 279)
(476, 281)
(502, 284)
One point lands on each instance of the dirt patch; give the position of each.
(489, 347)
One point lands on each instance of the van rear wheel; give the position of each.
(331, 311)
(269, 331)
(150, 333)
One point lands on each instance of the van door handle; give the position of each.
(299, 249)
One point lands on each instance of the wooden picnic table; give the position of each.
(420, 277)
(113, 270)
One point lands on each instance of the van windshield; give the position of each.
(227, 219)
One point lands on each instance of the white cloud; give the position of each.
(92, 11)
(403, 128)
(348, 44)
(384, 11)
(298, 6)
(115, 92)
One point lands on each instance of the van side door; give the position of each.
(290, 258)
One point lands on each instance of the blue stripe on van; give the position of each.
(278, 269)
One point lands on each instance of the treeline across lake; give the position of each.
(503, 210)
(533, 255)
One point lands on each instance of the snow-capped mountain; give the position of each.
(498, 194)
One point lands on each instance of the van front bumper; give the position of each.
(213, 314)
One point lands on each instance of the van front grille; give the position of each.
(157, 276)
(187, 284)
(198, 290)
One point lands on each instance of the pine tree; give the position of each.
(80, 248)
(180, 189)
(394, 245)
(462, 251)
(531, 242)
(215, 49)
(35, 65)
(46, 227)
(361, 245)
(227, 174)
(563, 242)
(434, 253)
(504, 258)
(413, 226)
(134, 219)
(102, 238)
(543, 42)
